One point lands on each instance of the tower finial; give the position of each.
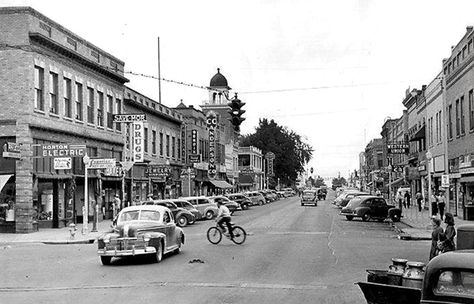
(218, 70)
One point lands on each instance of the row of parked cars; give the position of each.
(154, 227)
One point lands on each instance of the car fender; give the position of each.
(362, 210)
(395, 210)
(188, 215)
(156, 237)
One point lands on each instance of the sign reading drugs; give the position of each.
(61, 150)
(211, 121)
(138, 142)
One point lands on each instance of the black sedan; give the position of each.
(370, 207)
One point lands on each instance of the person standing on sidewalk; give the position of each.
(441, 205)
(407, 199)
(449, 234)
(419, 199)
(399, 199)
(434, 204)
(116, 206)
(435, 236)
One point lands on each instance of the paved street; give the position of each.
(293, 254)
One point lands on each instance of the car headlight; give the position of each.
(146, 237)
(106, 239)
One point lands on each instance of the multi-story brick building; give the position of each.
(55, 88)
(374, 164)
(251, 175)
(458, 71)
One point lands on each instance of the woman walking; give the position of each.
(449, 234)
(435, 236)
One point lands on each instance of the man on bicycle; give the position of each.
(223, 216)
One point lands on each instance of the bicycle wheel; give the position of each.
(239, 235)
(214, 235)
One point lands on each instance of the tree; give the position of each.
(291, 152)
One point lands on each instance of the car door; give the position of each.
(383, 209)
(170, 229)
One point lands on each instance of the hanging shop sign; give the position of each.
(161, 171)
(270, 167)
(194, 158)
(211, 120)
(138, 142)
(102, 163)
(61, 150)
(183, 143)
(11, 150)
(194, 141)
(62, 163)
(129, 117)
(445, 181)
(398, 148)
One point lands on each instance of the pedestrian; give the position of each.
(419, 199)
(399, 199)
(116, 204)
(434, 204)
(407, 199)
(378, 193)
(449, 234)
(436, 234)
(441, 205)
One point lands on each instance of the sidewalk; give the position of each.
(57, 235)
(419, 224)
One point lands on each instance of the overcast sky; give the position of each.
(332, 71)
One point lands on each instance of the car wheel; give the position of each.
(260, 203)
(106, 260)
(245, 206)
(395, 217)
(366, 217)
(349, 218)
(209, 215)
(158, 256)
(182, 221)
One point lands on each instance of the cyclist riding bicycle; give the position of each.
(223, 216)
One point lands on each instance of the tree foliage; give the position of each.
(291, 152)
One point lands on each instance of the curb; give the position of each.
(402, 235)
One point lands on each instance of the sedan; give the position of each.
(231, 205)
(141, 230)
(182, 216)
(370, 207)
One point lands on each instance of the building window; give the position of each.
(458, 119)
(153, 142)
(437, 127)
(450, 121)
(110, 111)
(145, 141)
(167, 146)
(67, 97)
(53, 93)
(161, 144)
(118, 107)
(90, 106)
(471, 110)
(462, 117)
(100, 109)
(79, 100)
(173, 147)
(179, 148)
(39, 88)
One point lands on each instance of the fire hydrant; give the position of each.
(72, 230)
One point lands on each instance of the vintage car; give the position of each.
(181, 203)
(256, 198)
(231, 205)
(370, 207)
(240, 199)
(309, 197)
(182, 216)
(141, 230)
(207, 208)
(348, 196)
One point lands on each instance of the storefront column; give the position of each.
(24, 211)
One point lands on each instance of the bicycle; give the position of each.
(214, 234)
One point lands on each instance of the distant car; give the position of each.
(240, 199)
(349, 196)
(256, 197)
(207, 208)
(309, 197)
(322, 193)
(274, 192)
(269, 196)
(188, 206)
(231, 205)
(289, 192)
(141, 230)
(182, 216)
(370, 207)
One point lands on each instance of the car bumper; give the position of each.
(129, 252)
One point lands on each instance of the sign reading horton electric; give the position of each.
(211, 121)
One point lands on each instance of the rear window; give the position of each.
(455, 283)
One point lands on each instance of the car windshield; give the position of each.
(355, 202)
(135, 215)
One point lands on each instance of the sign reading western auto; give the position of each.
(129, 117)
(398, 148)
(211, 120)
(61, 150)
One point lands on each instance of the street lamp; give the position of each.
(429, 158)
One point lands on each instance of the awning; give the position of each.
(221, 184)
(4, 179)
(245, 180)
(419, 134)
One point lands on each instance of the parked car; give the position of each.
(267, 195)
(240, 199)
(275, 194)
(309, 197)
(349, 196)
(370, 207)
(182, 216)
(281, 194)
(289, 192)
(141, 230)
(256, 198)
(231, 205)
(181, 203)
(338, 199)
(207, 209)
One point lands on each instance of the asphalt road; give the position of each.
(293, 254)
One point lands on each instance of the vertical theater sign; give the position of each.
(211, 120)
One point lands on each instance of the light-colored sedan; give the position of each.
(207, 208)
(231, 205)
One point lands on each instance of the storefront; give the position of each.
(467, 190)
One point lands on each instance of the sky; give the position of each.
(332, 71)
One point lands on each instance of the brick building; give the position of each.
(55, 88)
